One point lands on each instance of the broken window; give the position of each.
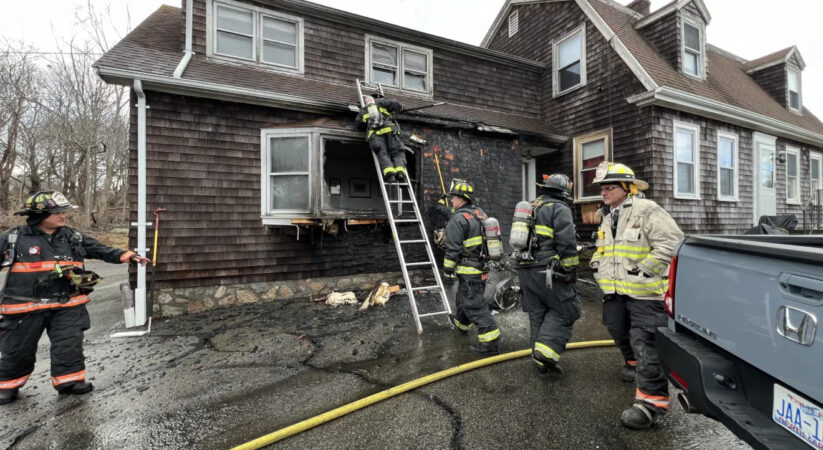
(350, 185)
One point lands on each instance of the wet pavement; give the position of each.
(222, 378)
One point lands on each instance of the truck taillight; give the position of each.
(669, 297)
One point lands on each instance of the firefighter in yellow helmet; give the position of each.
(635, 243)
(464, 261)
(47, 289)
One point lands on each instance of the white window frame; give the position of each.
(792, 198)
(514, 22)
(701, 60)
(401, 71)
(529, 176)
(696, 130)
(581, 30)
(257, 39)
(735, 154)
(815, 159)
(265, 137)
(604, 135)
(789, 72)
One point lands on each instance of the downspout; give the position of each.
(178, 72)
(140, 292)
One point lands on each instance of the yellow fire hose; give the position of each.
(389, 393)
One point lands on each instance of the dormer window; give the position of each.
(693, 55)
(793, 87)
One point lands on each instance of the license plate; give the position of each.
(801, 417)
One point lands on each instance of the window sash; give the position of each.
(727, 168)
(792, 178)
(285, 184)
(400, 70)
(278, 50)
(589, 151)
(569, 64)
(692, 51)
(686, 161)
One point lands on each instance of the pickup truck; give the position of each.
(743, 343)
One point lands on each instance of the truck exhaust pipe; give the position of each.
(684, 403)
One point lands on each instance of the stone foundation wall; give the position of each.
(174, 302)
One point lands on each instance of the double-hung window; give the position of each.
(792, 178)
(398, 65)
(793, 87)
(288, 172)
(258, 35)
(686, 161)
(589, 151)
(815, 183)
(569, 60)
(693, 50)
(727, 184)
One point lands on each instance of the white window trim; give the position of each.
(696, 130)
(529, 176)
(514, 22)
(577, 150)
(799, 91)
(701, 64)
(257, 39)
(581, 30)
(735, 153)
(400, 69)
(265, 135)
(815, 159)
(789, 199)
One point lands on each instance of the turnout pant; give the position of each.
(390, 153)
(552, 313)
(472, 308)
(634, 322)
(19, 334)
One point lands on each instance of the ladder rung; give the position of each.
(395, 184)
(415, 241)
(433, 314)
(416, 264)
(400, 201)
(425, 288)
(406, 220)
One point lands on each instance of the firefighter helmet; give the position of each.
(557, 182)
(616, 173)
(45, 202)
(462, 188)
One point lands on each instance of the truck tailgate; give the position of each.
(760, 301)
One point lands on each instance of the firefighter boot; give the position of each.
(389, 178)
(490, 348)
(401, 176)
(641, 416)
(628, 373)
(545, 364)
(8, 395)
(77, 388)
(463, 328)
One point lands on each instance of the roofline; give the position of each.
(504, 12)
(405, 34)
(684, 101)
(794, 51)
(672, 7)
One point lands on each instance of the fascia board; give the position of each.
(684, 101)
(660, 13)
(617, 45)
(784, 60)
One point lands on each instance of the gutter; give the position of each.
(683, 101)
(140, 292)
(178, 72)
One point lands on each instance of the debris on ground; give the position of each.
(379, 295)
(341, 298)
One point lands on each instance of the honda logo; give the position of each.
(796, 325)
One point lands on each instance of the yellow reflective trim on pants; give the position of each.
(490, 336)
(657, 287)
(473, 242)
(400, 169)
(543, 230)
(384, 130)
(388, 170)
(466, 270)
(546, 351)
(460, 325)
(570, 261)
(449, 263)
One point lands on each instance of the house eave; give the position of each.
(686, 102)
(784, 60)
(676, 6)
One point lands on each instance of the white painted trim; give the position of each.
(514, 22)
(581, 31)
(401, 46)
(265, 135)
(142, 168)
(785, 59)
(672, 7)
(736, 166)
(789, 71)
(696, 163)
(577, 162)
(791, 150)
(529, 174)
(761, 138)
(701, 63)
(815, 158)
(688, 102)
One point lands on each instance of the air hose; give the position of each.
(307, 424)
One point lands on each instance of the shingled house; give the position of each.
(243, 120)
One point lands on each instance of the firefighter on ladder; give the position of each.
(47, 289)
(635, 243)
(464, 262)
(552, 312)
(377, 117)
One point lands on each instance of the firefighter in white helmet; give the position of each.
(635, 243)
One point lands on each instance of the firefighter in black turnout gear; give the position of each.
(464, 261)
(377, 118)
(47, 288)
(553, 253)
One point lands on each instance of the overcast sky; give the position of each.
(747, 28)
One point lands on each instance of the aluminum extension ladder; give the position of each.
(395, 214)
